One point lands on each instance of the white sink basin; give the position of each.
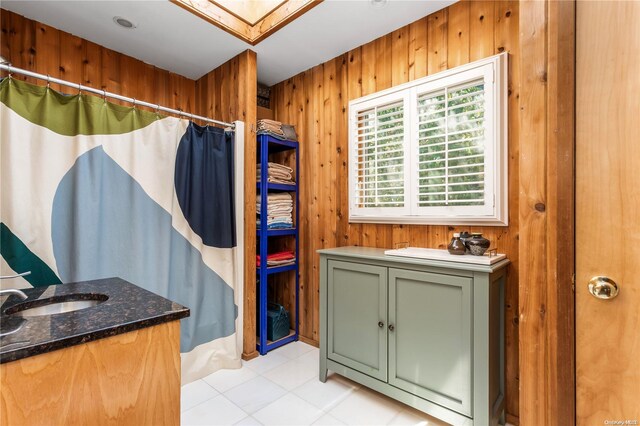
(53, 306)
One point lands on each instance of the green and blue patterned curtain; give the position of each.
(91, 190)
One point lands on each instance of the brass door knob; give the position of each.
(603, 288)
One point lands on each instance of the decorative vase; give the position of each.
(465, 237)
(456, 246)
(478, 244)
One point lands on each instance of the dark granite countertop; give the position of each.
(127, 308)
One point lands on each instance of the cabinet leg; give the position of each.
(323, 375)
(323, 370)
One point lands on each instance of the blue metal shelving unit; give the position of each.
(270, 145)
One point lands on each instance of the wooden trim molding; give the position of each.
(247, 92)
(247, 86)
(247, 89)
(547, 150)
(254, 33)
(258, 9)
(561, 201)
(309, 341)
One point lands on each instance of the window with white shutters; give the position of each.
(451, 141)
(432, 151)
(380, 156)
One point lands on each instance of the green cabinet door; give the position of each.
(357, 317)
(430, 346)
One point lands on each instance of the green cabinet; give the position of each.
(427, 333)
(357, 316)
(430, 336)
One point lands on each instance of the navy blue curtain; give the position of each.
(204, 184)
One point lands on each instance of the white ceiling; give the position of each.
(173, 39)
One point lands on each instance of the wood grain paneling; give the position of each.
(463, 32)
(547, 147)
(506, 39)
(458, 34)
(607, 211)
(561, 104)
(437, 30)
(247, 84)
(481, 29)
(532, 209)
(128, 379)
(247, 87)
(264, 113)
(418, 49)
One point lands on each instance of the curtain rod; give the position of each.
(106, 94)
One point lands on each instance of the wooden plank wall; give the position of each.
(547, 119)
(38, 47)
(316, 102)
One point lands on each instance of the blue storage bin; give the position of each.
(277, 321)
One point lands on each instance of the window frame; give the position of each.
(494, 72)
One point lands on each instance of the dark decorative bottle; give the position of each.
(465, 236)
(456, 246)
(478, 244)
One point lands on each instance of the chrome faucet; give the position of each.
(15, 291)
(19, 293)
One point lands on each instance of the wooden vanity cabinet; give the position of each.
(127, 379)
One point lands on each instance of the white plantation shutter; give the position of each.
(451, 141)
(379, 153)
(432, 151)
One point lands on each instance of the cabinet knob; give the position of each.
(380, 324)
(391, 327)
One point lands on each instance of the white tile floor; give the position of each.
(282, 388)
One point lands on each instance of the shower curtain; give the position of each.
(91, 190)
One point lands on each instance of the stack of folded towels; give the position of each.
(279, 210)
(276, 129)
(281, 258)
(277, 173)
